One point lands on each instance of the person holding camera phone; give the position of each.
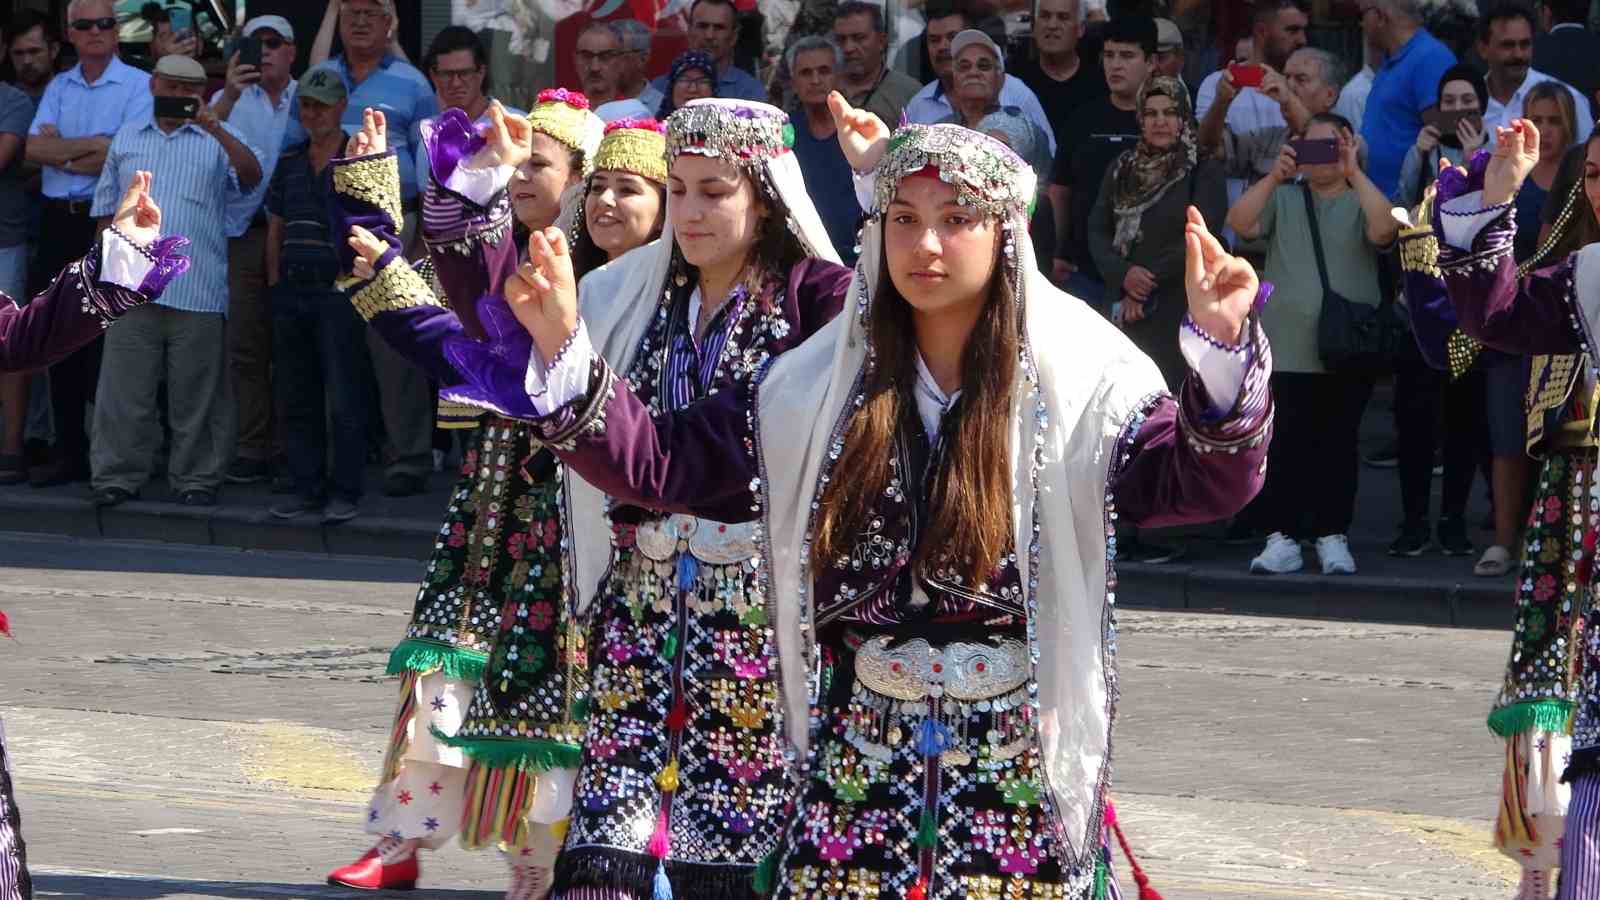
(1310, 490)
(1451, 130)
(201, 165)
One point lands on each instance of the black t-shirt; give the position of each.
(1061, 99)
(1095, 136)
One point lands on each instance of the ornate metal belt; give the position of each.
(916, 670)
(713, 543)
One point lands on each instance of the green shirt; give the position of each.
(1290, 317)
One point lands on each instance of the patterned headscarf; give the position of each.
(1144, 174)
(692, 60)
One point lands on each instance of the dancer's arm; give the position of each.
(466, 220)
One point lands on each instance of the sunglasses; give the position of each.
(273, 43)
(109, 23)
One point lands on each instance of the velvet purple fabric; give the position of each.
(170, 263)
(492, 370)
(451, 139)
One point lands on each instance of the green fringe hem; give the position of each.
(1532, 715)
(413, 655)
(537, 755)
(1102, 887)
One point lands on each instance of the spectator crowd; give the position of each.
(255, 368)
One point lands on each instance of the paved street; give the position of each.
(205, 723)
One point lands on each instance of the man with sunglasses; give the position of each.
(256, 100)
(70, 136)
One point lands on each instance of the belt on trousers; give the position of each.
(71, 207)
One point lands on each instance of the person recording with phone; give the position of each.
(1309, 86)
(1451, 130)
(256, 100)
(201, 165)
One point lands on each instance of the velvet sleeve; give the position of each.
(1531, 314)
(466, 216)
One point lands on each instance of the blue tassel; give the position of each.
(662, 889)
(934, 739)
(688, 568)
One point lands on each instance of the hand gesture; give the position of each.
(1128, 311)
(1221, 287)
(1472, 135)
(1226, 89)
(369, 249)
(1273, 84)
(138, 217)
(1349, 160)
(172, 43)
(1283, 170)
(1516, 152)
(1138, 283)
(207, 119)
(862, 135)
(544, 293)
(510, 140)
(372, 139)
(1427, 139)
(239, 77)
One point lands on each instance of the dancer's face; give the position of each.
(1591, 174)
(941, 254)
(716, 214)
(622, 211)
(537, 186)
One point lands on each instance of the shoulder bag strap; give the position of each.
(1316, 239)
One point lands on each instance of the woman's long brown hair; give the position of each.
(970, 527)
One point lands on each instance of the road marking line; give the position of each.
(155, 832)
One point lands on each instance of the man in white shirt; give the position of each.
(1353, 96)
(932, 103)
(1505, 41)
(1277, 29)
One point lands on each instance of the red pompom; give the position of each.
(5, 625)
(919, 891)
(679, 716)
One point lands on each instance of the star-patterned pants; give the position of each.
(425, 796)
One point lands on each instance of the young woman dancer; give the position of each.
(934, 479)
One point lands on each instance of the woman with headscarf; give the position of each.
(493, 674)
(1139, 218)
(1461, 90)
(625, 199)
(693, 76)
(682, 785)
(934, 475)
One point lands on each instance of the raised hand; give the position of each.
(1221, 287)
(544, 293)
(1516, 152)
(862, 135)
(369, 249)
(373, 137)
(510, 139)
(138, 217)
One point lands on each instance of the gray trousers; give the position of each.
(189, 351)
(406, 399)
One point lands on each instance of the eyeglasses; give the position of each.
(109, 23)
(983, 65)
(601, 56)
(695, 83)
(456, 74)
(363, 15)
(273, 43)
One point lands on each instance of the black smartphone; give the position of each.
(1315, 153)
(1446, 122)
(249, 51)
(175, 107)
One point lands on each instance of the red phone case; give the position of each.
(1246, 74)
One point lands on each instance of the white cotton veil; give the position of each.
(619, 300)
(1083, 387)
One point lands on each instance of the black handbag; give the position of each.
(1353, 337)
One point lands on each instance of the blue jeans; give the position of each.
(319, 355)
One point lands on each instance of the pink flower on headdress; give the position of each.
(641, 123)
(574, 99)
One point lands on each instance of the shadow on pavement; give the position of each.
(137, 887)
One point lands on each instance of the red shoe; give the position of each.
(369, 873)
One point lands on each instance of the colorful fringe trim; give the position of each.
(498, 801)
(399, 739)
(1514, 827)
(1532, 715)
(523, 754)
(413, 655)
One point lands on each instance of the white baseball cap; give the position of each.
(276, 23)
(970, 36)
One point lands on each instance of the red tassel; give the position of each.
(679, 716)
(5, 625)
(661, 842)
(1146, 892)
(919, 891)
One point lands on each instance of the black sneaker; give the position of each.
(298, 506)
(1453, 537)
(1413, 540)
(248, 471)
(113, 496)
(198, 497)
(1385, 457)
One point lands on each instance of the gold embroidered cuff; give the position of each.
(374, 180)
(397, 286)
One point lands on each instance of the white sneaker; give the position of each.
(1334, 551)
(1281, 556)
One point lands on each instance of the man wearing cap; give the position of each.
(933, 103)
(69, 136)
(256, 100)
(1169, 50)
(201, 165)
(980, 68)
(319, 341)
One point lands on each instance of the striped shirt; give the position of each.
(299, 196)
(193, 184)
(692, 367)
(79, 109)
(404, 95)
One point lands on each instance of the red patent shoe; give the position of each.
(371, 874)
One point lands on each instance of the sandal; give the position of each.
(1495, 561)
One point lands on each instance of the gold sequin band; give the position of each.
(565, 116)
(986, 174)
(374, 180)
(638, 146)
(396, 286)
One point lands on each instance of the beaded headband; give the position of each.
(565, 116)
(638, 146)
(986, 174)
(735, 130)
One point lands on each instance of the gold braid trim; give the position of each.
(397, 286)
(374, 180)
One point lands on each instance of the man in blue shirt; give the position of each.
(1405, 84)
(200, 166)
(69, 137)
(815, 63)
(714, 29)
(377, 79)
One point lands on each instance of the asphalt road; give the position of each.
(203, 723)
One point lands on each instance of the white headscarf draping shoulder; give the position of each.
(1085, 386)
(619, 299)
